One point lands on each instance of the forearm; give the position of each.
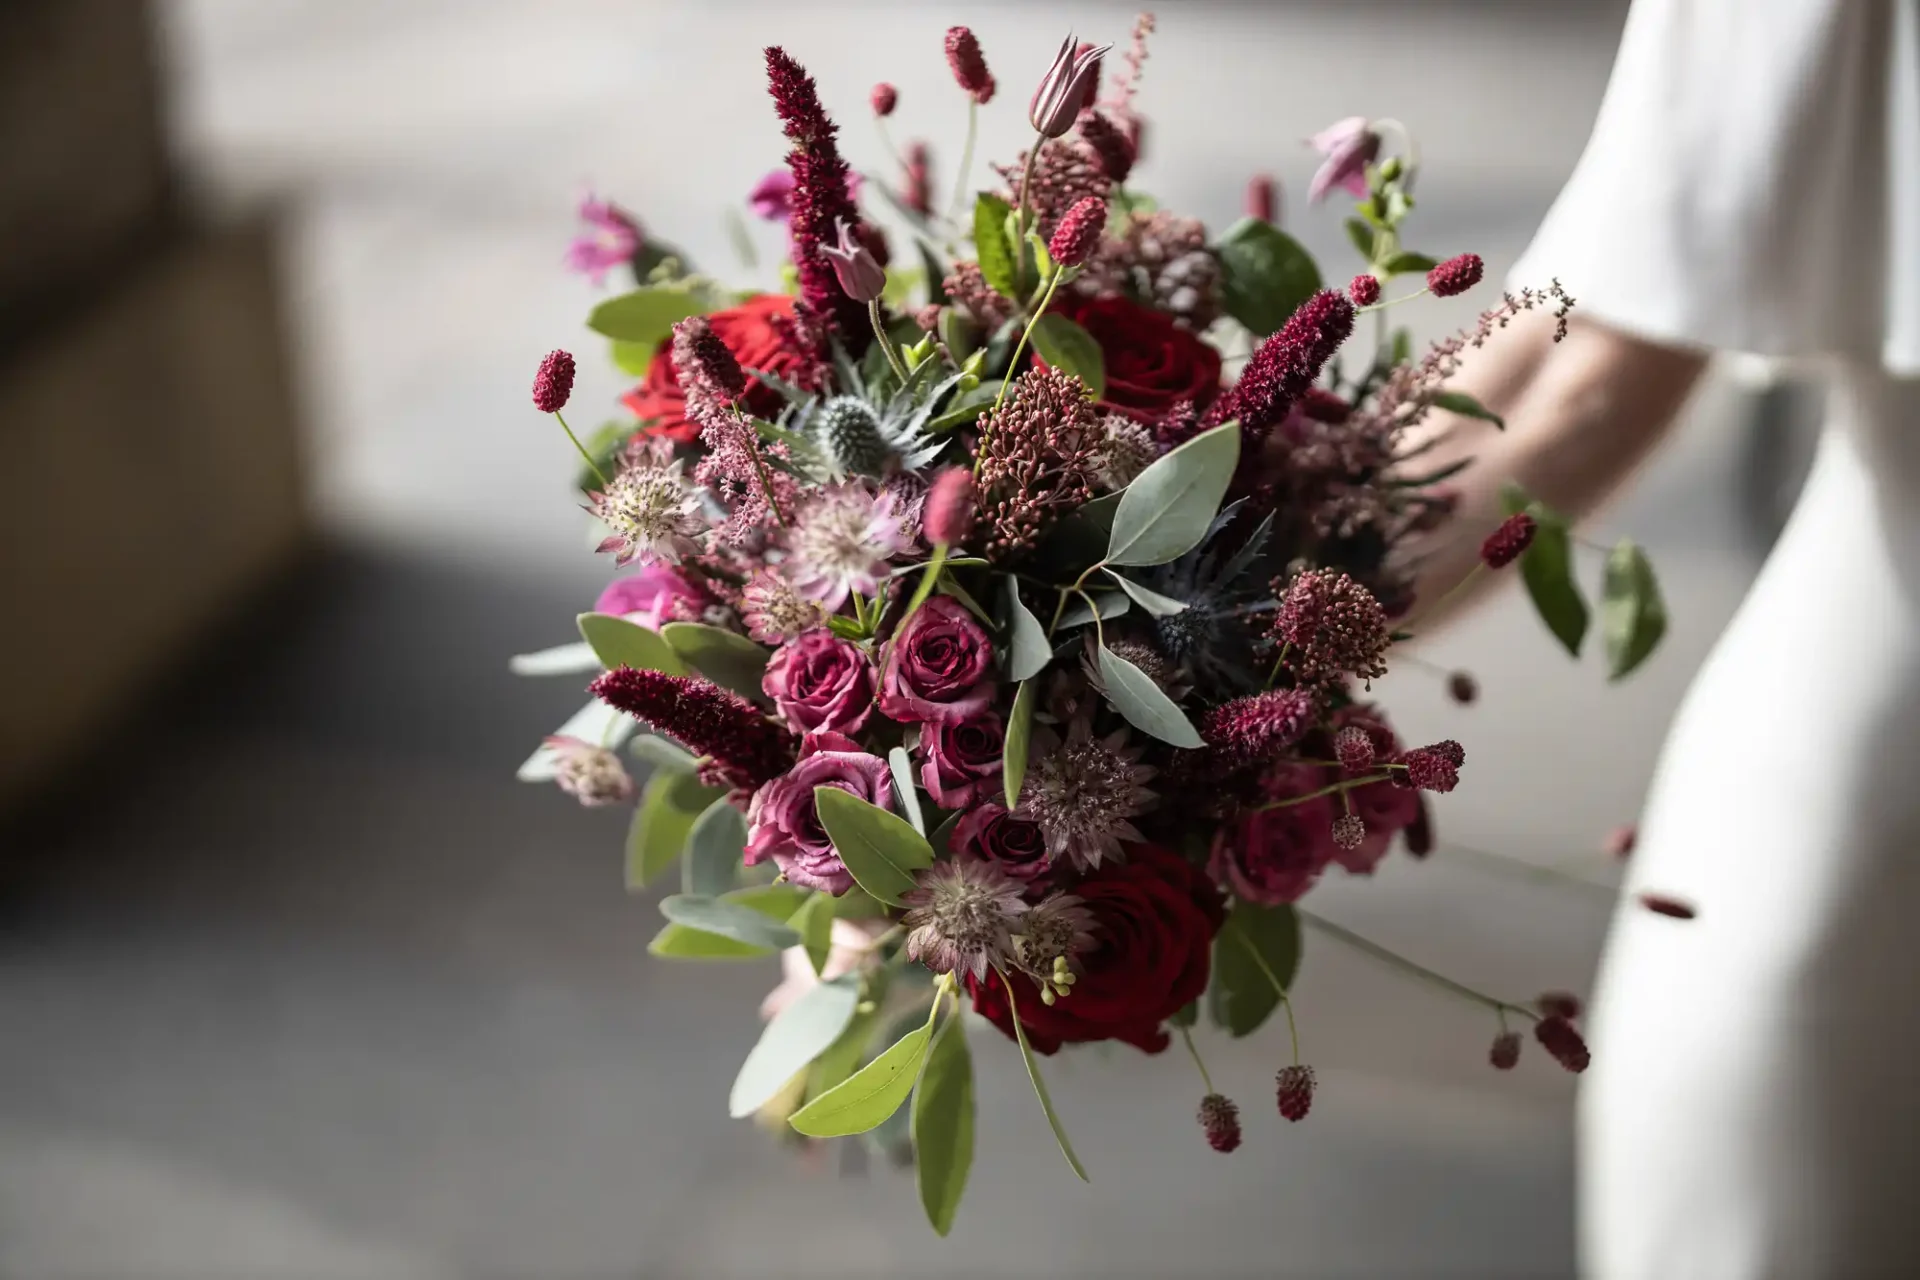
(1581, 415)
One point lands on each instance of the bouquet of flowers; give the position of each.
(1006, 651)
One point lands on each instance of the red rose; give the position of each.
(1152, 363)
(1155, 918)
(749, 332)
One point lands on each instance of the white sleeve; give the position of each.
(1752, 182)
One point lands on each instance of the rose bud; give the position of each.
(1056, 103)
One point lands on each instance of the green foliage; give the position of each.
(620, 643)
(1242, 995)
(797, 1035)
(672, 803)
(727, 658)
(1013, 766)
(1633, 616)
(1066, 346)
(867, 1097)
(646, 316)
(1170, 506)
(1265, 274)
(993, 246)
(1144, 704)
(881, 850)
(943, 1125)
(1546, 566)
(714, 846)
(1465, 405)
(777, 902)
(1027, 649)
(728, 920)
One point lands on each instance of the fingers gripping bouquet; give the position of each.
(994, 643)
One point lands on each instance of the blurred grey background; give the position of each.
(298, 982)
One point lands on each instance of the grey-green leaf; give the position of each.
(992, 246)
(1633, 616)
(662, 754)
(561, 660)
(797, 1035)
(644, 316)
(1407, 262)
(880, 849)
(1067, 347)
(678, 942)
(727, 658)
(1028, 650)
(1144, 704)
(1152, 601)
(814, 923)
(1265, 274)
(1040, 1085)
(728, 920)
(714, 846)
(1168, 508)
(902, 767)
(869, 1095)
(1465, 405)
(1242, 994)
(1110, 604)
(621, 643)
(1013, 765)
(673, 802)
(943, 1125)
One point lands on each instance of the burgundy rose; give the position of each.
(1154, 921)
(1276, 855)
(783, 824)
(990, 833)
(751, 331)
(961, 759)
(820, 683)
(1152, 363)
(939, 666)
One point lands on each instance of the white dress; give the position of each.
(1753, 1109)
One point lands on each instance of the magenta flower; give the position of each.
(1348, 146)
(821, 683)
(610, 240)
(938, 668)
(783, 824)
(961, 760)
(772, 197)
(652, 597)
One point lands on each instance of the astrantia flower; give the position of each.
(1348, 146)
(1128, 450)
(651, 511)
(1084, 792)
(590, 774)
(774, 610)
(1053, 936)
(610, 240)
(841, 541)
(1332, 626)
(961, 917)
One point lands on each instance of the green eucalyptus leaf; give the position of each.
(942, 837)
(1013, 765)
(1170, 506)
(844, 1054)
(1406, 263)
(1256, 947)
(1186, 1015)
(1265, 274)
(814, 923)
(797, 1035)
(777, 902)
(728, 920)
(903, 787)
(621, 643)
(1144, 704)
(1040, 1084)
(867, 1097)
(1461, 403)
(1081, 538)
(881, 850)
(561, 660)
(645, 317)
(672, 803)
(714, 846)
(1109, 604)
(943, 1125)
(846, 628)
(1028, 650)
(1152, 601)
(1633, 616)
(662, 754)
(727, 658)
(1065, 346)
(992, 245)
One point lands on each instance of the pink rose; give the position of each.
(1016, 846)
(1276, 855)
(938, 666)
(783, 824)
(820, 683)
(651, 597)
(961, 760)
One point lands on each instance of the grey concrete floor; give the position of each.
(297, 982)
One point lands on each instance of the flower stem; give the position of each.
(966, 159)
(1413, 969)
(1026, 196)
(1345, 784)
(886, 343)
(1186, 1036)
(592, 466)
(927, 581)
(1466, 580)
(1380, 307)
(1279, 989)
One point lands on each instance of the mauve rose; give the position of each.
(1276, 855)
(653, 596)
(783, 824)
(820, 683)
(961, 760)
(938, 667)
(1016, 846)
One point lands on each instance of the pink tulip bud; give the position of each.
(861, 276)
(1064, 89)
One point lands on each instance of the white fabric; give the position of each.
(1753, 184)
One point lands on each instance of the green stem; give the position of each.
(980, 452)
(1380, 308)
(1279, 989)
(1466, 580)
(1413, 969)
(1346, 784)
(927, 581)
(1186, 1035)
(966, 159)
(1026, 195)
(886, 343)
(592, 466)
(1039, 1085)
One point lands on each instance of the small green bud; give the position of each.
(1046, 996)
(1392, 169)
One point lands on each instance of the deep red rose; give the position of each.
(749, 332)
(1152, 363)
(1155, 918)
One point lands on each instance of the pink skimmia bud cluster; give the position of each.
(999, 633)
